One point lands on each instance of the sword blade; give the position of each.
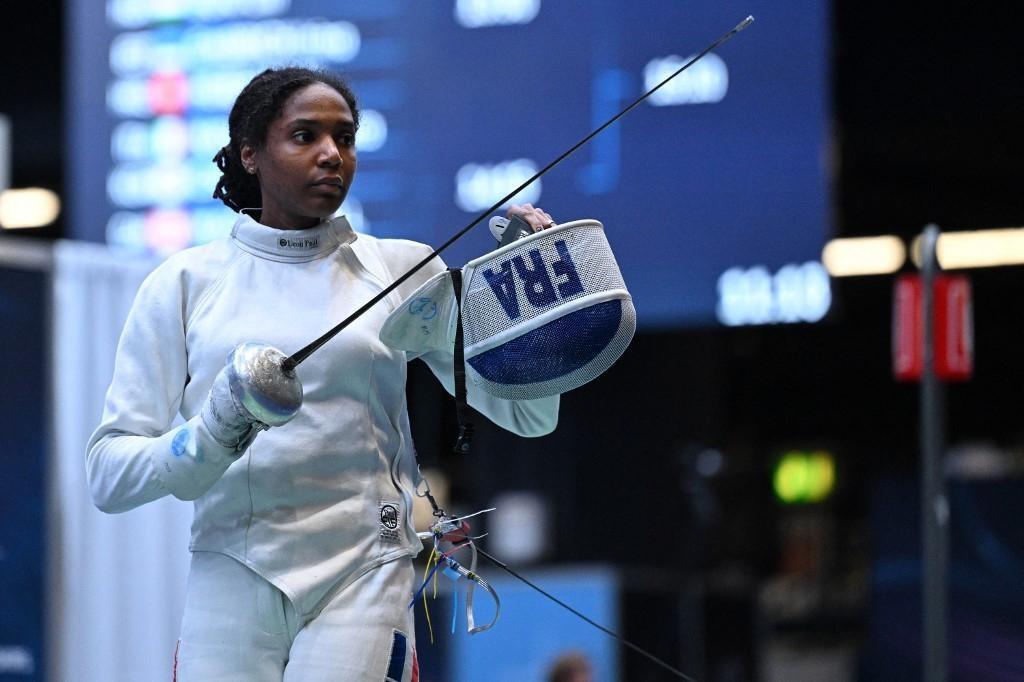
(299, 356)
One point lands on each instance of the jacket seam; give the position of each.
(209, 290)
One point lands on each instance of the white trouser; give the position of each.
(237, 627)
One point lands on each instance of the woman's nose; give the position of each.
(329, 154)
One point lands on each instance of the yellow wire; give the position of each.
(426, 609)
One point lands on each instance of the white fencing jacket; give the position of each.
(306, 506)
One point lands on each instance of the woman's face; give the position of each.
(306, 167)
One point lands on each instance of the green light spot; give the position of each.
(804, 477)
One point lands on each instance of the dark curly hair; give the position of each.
(257, 106)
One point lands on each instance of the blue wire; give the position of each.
(455, 608)
(425, 583)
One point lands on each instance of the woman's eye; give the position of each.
(303, 136)
(347, 140)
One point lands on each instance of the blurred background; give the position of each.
(740, 493)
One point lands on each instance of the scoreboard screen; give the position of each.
(714, 192)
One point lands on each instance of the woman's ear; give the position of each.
(248, 158)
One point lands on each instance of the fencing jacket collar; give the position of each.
(291, 246)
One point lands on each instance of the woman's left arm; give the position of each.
(523, 417)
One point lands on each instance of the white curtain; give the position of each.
(117, 582)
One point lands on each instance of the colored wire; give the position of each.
(426, 607)
(455, 607)
(435, 560)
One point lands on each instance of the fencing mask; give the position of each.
(542, 315)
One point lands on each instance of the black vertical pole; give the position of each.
(934, 504)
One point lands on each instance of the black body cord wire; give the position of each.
(625, 642)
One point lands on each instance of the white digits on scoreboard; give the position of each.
(796, 293)
(478, 185)
(478, 13)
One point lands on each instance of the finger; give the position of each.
(535, 217)
(519, 210)
(531, 216)
(545, 219)
(536, 220)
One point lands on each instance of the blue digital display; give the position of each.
(714, 192)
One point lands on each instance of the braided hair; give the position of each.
(256, 108)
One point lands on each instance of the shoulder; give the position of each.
(401, 255)
(184, 275)
(193, 263)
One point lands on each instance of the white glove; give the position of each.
(226, 419)
(190, 459)
(252, 392)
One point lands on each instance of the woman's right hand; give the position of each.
(250, 393)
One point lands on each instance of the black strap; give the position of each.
(461, 405)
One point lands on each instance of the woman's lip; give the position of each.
(329, 184)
